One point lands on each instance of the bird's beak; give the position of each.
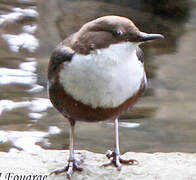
(147, 37)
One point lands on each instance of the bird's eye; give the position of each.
(116, 33)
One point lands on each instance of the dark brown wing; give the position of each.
(140, 54)
(60, 55)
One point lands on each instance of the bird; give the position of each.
(95, 74)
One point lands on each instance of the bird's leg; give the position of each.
(114, 157)
(73, 163)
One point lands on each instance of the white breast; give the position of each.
(104, 78)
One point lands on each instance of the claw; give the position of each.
(73, 165)
(117, 161)
(69, 171)
(59, 171)
(79, 161)
(107, 163)
(118, 164)
(128, 161)
(109, 154)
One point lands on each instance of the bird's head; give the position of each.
(102, 32)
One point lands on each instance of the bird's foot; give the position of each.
(73, 165)
(117, 161)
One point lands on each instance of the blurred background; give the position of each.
(163, 120)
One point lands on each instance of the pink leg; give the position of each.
(114, 157)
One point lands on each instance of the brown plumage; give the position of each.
(77, 111)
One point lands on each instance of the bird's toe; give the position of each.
(116, 160)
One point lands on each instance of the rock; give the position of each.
(159, 166)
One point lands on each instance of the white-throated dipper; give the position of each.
(97, 73)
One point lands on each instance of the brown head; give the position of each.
(104, 31)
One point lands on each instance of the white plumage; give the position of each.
(104, 78)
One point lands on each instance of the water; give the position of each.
(163, 120)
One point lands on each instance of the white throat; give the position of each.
(104, 78)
